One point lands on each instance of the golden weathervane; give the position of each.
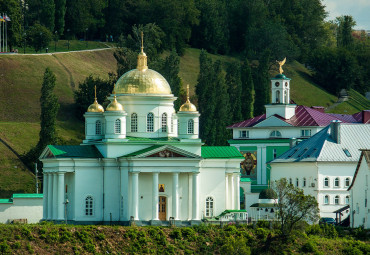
(281, 63)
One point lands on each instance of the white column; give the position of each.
(61, 196)
(50, 196)
(45, 196)
(227, 191)
(232, 188)
(175, 195)
(135, 195)
(155, 197)
(55, 196)
(237, 190)
(195, 213)
(264, 166)
(259, 165)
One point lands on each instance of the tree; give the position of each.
(234, 83)
(344, 35)
(293, 206)
(261, 83)
(85, 94)
(39, 37)
(247, 95)
(60, 11)
(43, 12)
(14, 27)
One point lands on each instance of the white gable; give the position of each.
(273, 121)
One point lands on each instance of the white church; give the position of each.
(140, 161)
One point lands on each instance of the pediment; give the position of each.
(273, 121)
(162, 151)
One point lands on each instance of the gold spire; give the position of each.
(142, 58)
(281, 63)
(188, 106)
(114, 105)
(95, 107)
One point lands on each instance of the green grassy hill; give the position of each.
(21, 79)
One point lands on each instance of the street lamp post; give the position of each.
(55, 45)
(24, 48)
(86, 30)
(68, 37)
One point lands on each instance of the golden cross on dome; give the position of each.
(95, 92)
(142, 41)
(187, 92)
(114, 91)
(281, 63)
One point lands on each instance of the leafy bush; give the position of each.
(176, 234)
(4, 248)
(189, 234)
(309, 246)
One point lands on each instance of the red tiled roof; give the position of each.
(305, 116)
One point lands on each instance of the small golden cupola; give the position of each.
(114, 105)
(95, 107)
(188, 106)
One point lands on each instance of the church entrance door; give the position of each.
(162, 208)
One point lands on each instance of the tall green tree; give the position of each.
(49, 110)
(221, 106)
(60, 11)
(14, 27)
(247, 95)
(41, 11)
(39, 37)
(261, 83)
(234, 83)
(344, 35)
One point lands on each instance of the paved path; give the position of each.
(55, 53)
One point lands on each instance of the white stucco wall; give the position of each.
(22, 208)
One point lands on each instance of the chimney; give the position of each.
(335, 130)
(292, 142)
(365, 116)
(318, 108)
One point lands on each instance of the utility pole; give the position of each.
(37, 183)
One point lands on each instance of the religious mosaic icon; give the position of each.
(161, 187)
(249, 164)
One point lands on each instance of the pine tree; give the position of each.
(247, 96)
(234, 83)
(221, 107)
(60, 11)
(261, 84)
(49, 110)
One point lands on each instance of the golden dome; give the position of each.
(115, 106)
(188, 106)
(95, 107)
(142, 80)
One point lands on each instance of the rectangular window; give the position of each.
(306, 132)
(243, 134)
(274, 153)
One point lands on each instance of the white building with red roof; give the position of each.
(265, 137)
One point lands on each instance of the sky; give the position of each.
(358, 9)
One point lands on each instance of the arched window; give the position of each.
(150, 122)
(191, 127)
(336, 182)
(304, 182)
(278, 97)
(347, 182)
(89, 206)
(336, 200)
(98, 127)
(297, 182)
(290, 181)
(134, 122)
(117, 126)
(275, 133)
(326, 182)
(164, 122)
(209, 207)
(326, 200)
(347, 200)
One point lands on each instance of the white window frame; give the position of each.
(347, 200)
(274, 153)
(297, 182)
(336, 185)
(190, 126)
(89, 205)
(243, 133)
(164, 122)
(134, 122)
(275, 133)
(306, 133)
(117, 126)
(209, 206)
(304, 182)
(347, 182)
(98, 127)
(326, 200)
(337, 200)
(326, 179)
(150, 122)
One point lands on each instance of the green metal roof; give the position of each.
(221, 152)
(280, 76)
(245, 180)
(264, 205)
(28, 195)
(231, 211)
(74, 151)
(6, 201)
(133, 154)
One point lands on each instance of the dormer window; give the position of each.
(275, 133)
(243, 134)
